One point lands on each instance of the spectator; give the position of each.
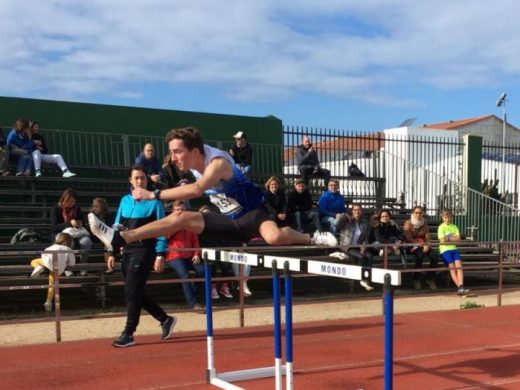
(225, 268)
(173, 176)
(448, 235)
(242, 153)
(4, 155)
(299, 207)
(182, 261)
(138, 260)
(387, 231)
(40, 153)
(100, 208)
(309, 164)
(276, 202)
(154, 171)
(63, 242)
(354, 231)
(331, 205)
(67, 214)
(21, 147)
(416, 231)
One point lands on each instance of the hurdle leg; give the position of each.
(389, 331)
(288, 328)
(277, 327)
(211, 372)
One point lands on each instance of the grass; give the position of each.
(470, 305)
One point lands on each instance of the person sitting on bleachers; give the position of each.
(309, 164)
(21, 147)
(299, 207)
(387, 231)
(354, 231)
(67, 214)
(242, 153)
(276, 203)
(173, 176)
(41, 154)
(152, 166)
(416, 231)
(331, 205)
(4, 155)
(62, 242)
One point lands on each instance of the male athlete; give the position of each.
(243, 213)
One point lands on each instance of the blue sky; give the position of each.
(358, 65)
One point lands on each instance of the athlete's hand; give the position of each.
(142, 194)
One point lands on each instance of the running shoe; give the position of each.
(68, 173)
(167, 327)
(108, 236)
(224, 290)
(125, 340)
(324, 239)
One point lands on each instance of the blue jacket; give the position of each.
(133, 214)
(19, 141)
(331, 204)
(152, 167)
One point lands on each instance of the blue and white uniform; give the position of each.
(233, 197)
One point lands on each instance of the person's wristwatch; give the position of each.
(156, 194)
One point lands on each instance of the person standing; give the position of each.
(138, 260)
(309, 164)
(448, 235)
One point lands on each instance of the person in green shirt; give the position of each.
(448, 235)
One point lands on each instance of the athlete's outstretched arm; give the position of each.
(218, 169)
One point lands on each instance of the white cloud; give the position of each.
(257, 50)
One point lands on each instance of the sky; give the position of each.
(361, 65)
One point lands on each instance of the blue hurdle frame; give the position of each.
(386, 277)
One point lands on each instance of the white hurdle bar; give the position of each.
(315, 267)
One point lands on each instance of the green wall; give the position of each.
(131, 120)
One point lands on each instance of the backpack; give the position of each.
(353, 170)
(27, 235)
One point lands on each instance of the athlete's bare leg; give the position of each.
(274, 235)
(188, 220)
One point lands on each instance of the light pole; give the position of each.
(501, 102)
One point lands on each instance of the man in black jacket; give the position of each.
(299, 207)
(309, 164)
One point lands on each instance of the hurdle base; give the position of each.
(224, 380)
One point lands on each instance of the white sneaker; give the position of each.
(48, 306)
(68, 174)
(38, 173)
(366, 285)
(69, 273)
(37, 271)
(324, 238)
(247, 291)
(214, 293)
(101, 230)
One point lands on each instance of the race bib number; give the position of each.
(225, 205)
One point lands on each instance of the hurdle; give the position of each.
(345, 271)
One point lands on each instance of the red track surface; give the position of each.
(463, 349)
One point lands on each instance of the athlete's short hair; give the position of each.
(191, 137)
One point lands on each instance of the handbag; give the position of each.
(76, 232)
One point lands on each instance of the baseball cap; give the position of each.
(239, 134)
